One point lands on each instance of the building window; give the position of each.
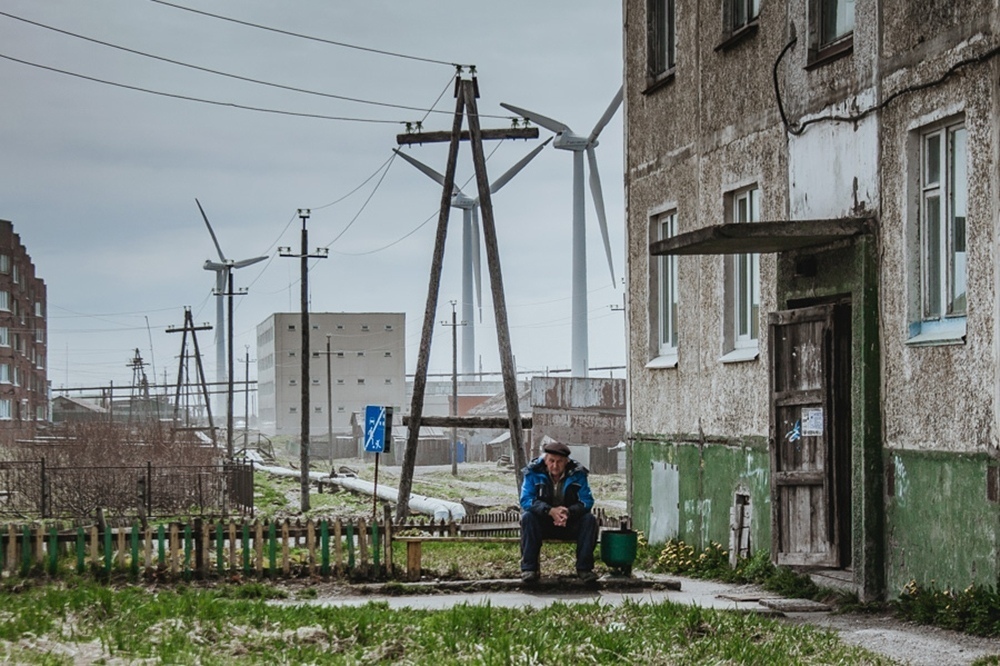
(742, 284)
(16, 271)
(361, 381)
(340, 327)
(293, 382)
(318, 410)
(5, 264)
(315, 354)
(388, 354)
(291, 353)
(361, 353)
(314, 382)
(664, 299)
(388, 327)
(38, 309)
(5, 409)
(4, 336)
(5, 301)
(340, 382)
(941, 230)
(662, 34)
(340, 409)
(315, 327)
(291, 327)
(364, 327)
(388, 381)
(742, 13)
(4, 373)
(831, 28)
(340, 354)
(293, 410)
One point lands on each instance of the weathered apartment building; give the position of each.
(812, 209)
(367, 367)
(23, 380)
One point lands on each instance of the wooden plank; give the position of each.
(413, 557)
(416, 138)
(800, 478)
(762, 237)
(491, 422)
(430, 311)
(496, 286)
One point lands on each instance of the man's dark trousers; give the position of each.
(535, 529)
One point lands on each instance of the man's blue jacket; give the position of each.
(537, 491)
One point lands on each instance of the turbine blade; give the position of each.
(477, 266)
(511, 172)
(429, 172)
(606, 118)
(537, 118)
(211, 231)
(213, 266)
(248, 262)
(595, 190)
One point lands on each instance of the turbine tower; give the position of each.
(223, 270)
(566, 139)
(470, 248)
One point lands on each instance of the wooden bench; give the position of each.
(414, 546)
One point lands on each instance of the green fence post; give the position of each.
(220, 544)
(134, 536)
(187, 551)
(272, 550)
(324, 544)
(246, 549)
(161, 550)
(81, 550)
(108, 550)
(53, 551)
(375, 549)
(350, 547)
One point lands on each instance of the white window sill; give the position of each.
(938, 338)
(664, 361)
(741, 355)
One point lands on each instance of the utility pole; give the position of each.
(454, 384)
(329, 400)
(466, 91)
(304, 257)
(246, 400)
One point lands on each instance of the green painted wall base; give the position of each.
(942, 526)
(709, 476)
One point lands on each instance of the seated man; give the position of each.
(555, 504)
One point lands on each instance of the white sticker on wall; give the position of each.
(812, 422)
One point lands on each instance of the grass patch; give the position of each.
(974, 610)
(677, 557)
(56, 625)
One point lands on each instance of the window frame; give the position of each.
(934, 317)
(741, 339)
(664, 299)
(823, 48)
(661, 42)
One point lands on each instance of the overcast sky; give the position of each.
(100, 181)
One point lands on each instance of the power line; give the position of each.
(189, 98)
(314, 39)
(237, 77)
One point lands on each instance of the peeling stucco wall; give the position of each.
(849, 149)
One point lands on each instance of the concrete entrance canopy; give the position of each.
(761, 237)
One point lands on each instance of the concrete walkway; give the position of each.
(914, 645)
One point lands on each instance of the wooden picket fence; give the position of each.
(357, 549)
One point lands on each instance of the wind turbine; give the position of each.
(223, 286)
(566, 139)
(470, 247)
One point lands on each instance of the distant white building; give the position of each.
(367, 366)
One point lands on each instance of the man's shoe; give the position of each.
(529, 577)
(587, 577)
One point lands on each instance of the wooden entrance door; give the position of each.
(807, 462)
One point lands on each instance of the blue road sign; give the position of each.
(374, 429)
